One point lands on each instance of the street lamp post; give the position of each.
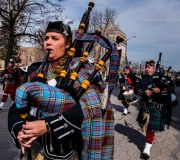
(126, 47)
(130, 38)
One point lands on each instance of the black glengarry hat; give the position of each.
(11, 61)
(150, 63)
(59, 27)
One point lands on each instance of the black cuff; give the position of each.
(67, 123)
(14, 123)
(140, 92)
(163, 92)
(14, 132)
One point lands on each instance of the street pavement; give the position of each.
(8, 151)
(129, 140)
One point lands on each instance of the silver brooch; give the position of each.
(65, 30)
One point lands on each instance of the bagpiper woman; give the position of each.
(71, 134)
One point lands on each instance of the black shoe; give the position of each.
(124, 114)
(145, 156)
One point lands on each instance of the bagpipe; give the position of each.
(156, 81)
(156, 75)
(158, 64)
(9, 71)
(42, 95)
(160, 76)
(170, 83)
(107, 92)
(157, 78)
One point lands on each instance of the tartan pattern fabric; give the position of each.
(10, 84)
(10, 88)
(32, 75)
(50, 100)
(97, 131)
(155, 119)
(5, 97)
(114, 58)
(106, 137)
(150, 136)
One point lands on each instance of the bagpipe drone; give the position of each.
(30, 91)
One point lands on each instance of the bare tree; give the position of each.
(104, 21)
(23, 20)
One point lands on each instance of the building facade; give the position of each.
(28, 55)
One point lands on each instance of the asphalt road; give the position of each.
(129, 140)
(8, 150)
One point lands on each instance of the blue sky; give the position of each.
(155, 23)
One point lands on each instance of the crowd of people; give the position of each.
(53, 120)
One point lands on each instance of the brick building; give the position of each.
(28, 55)
(111, 33)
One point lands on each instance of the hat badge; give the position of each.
(65, 27)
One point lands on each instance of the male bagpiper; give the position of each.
(153, 93)
(12, 79)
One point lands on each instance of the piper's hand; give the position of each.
(5, 75)
(23, 141)
(123, 88)
(34, 129)
(156, 90)
(148, 93)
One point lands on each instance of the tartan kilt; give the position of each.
(10, 88)
(156, 122)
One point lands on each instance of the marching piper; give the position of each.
(153, 94)
(12, 79)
